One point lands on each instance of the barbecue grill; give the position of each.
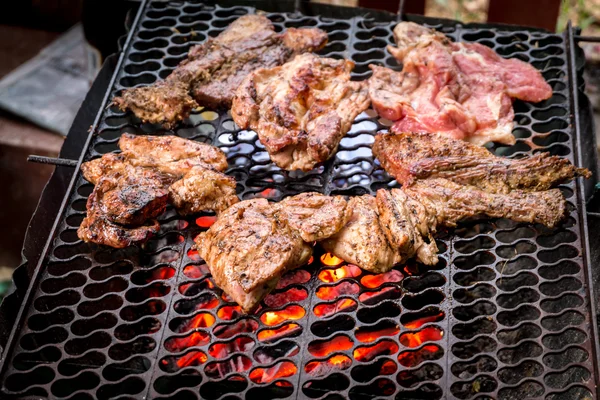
(507, 313)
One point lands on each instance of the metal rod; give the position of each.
(63, 162)
(592, 39)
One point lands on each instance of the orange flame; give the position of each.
(333, 292)
(374, 281)
(293, 295)
(417, 323)
(222, 350)
(266, 375)
(193, 358)
(271, 335)
(334, 275)
(326, 347)
(331, 260)
(228, 313)
(368, 336)
(268, 192)
(416, 357)
(325, 310)
(368, 353)
(206, 221)
(291, 312)
(202, 320)
(177, 344)
(195, 271)
(338, 362)
(193, 255)
(415, 339)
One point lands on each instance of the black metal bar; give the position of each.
(591, 39)
(63, 162)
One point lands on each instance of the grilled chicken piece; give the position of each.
(461, 90)
(202, 189)
(248, 248)
(300, 110)
(171, 154)
(134, 186)
(315, 216)
(408, 225)
(362, 241)
(214, 69)
(411, 156)
(451, 203)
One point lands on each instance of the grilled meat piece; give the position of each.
(451, 203)
(411, 156)
(214, 69)
(315, 216)
(362, 241)
(134, 187)
(203, 189)
(171, 154)
(408, 225)
(248, 248)
(300, 110)
(461, 90)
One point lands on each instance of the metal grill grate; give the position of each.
(505, 314)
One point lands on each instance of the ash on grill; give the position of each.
(504, 314)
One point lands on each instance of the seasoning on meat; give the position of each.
(411, 156)
(300, 110)
(214, 69)
(461, 90)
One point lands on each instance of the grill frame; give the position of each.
(152, 373)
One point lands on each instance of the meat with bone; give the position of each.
(300, 110)
(461, 90)
(214, 69)
(133, 188)
(411, 156)
(254, 242)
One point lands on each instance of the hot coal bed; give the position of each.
(505, 314)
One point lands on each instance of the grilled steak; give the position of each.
(133, 188)
(412, 156)
(300, 110)
(214, 69)
(461, 90)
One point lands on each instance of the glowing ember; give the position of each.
(222, 350)
(333, 292)
(196, 271)
(416, 357)
(193, 288)
(206, 221)
(291, 312)
(228, 313)
(193, 255)
(338, 362)
(271, 335)
(202, 320)
(191, 359)
(177, 344)
(371, 298)
(415, 339)
(411, 269)
(342, 305)
(225, 331)
(418, 322)
(388, 367)
(322, 348)
(219, 369)
(296, 276)
(293, 295)
(368, 353)
(374, 281)
(334, 275)
(266, 375)
(268, 192)
(331, 260)
(368, 335)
